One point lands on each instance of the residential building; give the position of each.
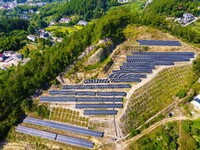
(31, 38)
(82, 23)
(187, 17)
(8, 53)
(196, 102)
(44, 34)
(65, 20)
(52, 23)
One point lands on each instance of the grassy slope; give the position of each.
(158, 139)
(63, 29)
(156, 95)
(196, 26)
(184, 136)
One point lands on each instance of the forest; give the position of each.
(12, 33)
(174, 8)
(17, 85)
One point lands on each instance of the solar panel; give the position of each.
(52, 136)
(117, 80)
(57, 99)
(81, 106)
(111, 94)
(99, 86)
(99, 99)
(61, 126)
(74, 141)
(132, 71)
(86, 93)
(88, 81)
(159, 43)
(127, 75)
(61, 92)
(100, 112)
(190, 54)
(35, 132)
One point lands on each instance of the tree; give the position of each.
(31, 29)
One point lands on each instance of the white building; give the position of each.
(196, 102)
(8, 53)
(187, 17)
(65, 20)
(31, 38)
(82, 23)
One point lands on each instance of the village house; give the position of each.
(64, 20)
(188, 17)
(31, 38)
(82, 23)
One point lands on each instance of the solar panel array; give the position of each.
(89, 99)
(35, 132)
(57, 99)
(98, 86)
(87, 93)
(56, 137)
(99, 99)
(64, 127)
(141, 63)
(75, 141)
(100, 112)
(88, 81)
(81, 106)
(80, 99)
(159, 43)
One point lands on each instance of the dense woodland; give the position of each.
(174, 8)
(17, 85)
(12, 33)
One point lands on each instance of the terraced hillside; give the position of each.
(155, 95)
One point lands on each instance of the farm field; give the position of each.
(63, 29)
(181, 135)
(156, 95)
(69, 116)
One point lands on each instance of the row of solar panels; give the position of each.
(52, 136)
(137, 67)
(158, 59)
(80, 99)
(64, 127)
(159, 43)
(144, 62)
(88, 81)
(100, 112)
(118, 80)
(126, 75)
(138, 70)
(86, 93)
(160, 56)
(98, 86)
(191, 54)
(156, 63)
(132, 71)
(82, 106)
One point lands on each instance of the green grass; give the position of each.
(63, 29)
(184, 135)
(160, 138)
(136, 6)
(196, 25)
(69, 116)
(156, 95)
